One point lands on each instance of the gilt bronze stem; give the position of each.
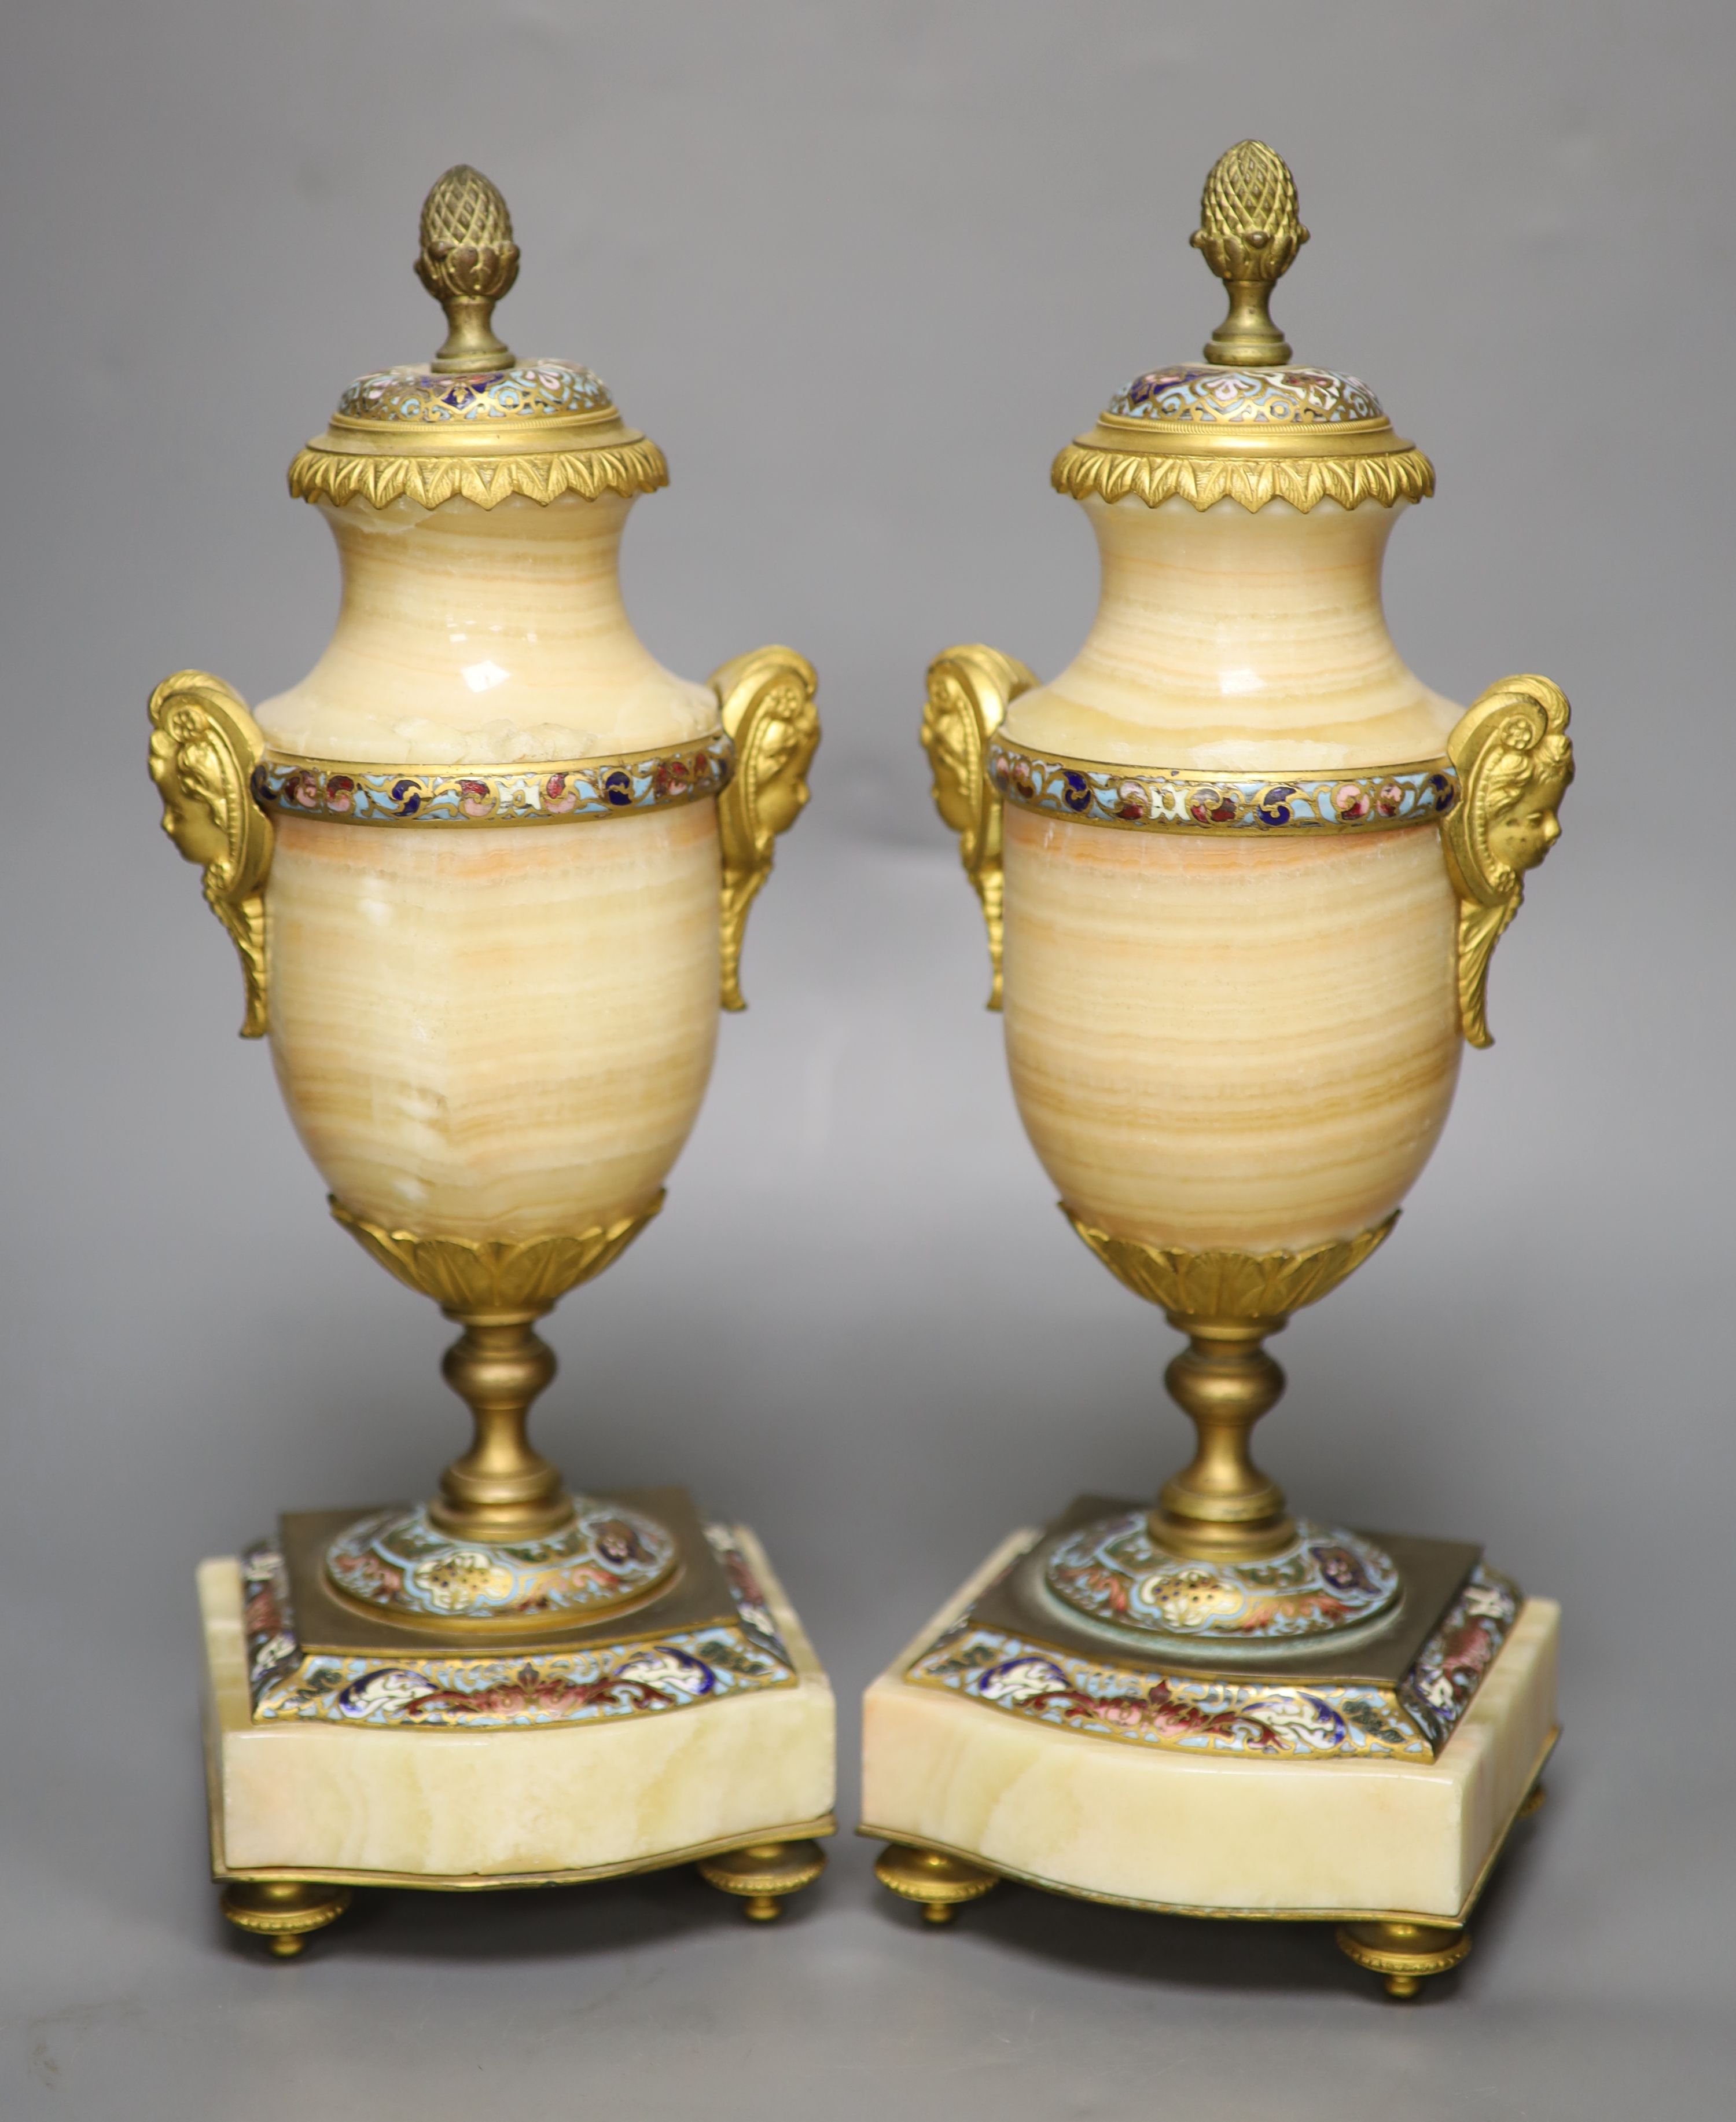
(1221, 1507)
(500, 1488)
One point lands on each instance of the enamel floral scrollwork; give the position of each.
(767, 702)
(204, 745)
(1515, 761)
(970, 691)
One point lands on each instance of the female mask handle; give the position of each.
(1515, 761)
(204, 746)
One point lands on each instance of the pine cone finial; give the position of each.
(1249, 233)
(467, 262)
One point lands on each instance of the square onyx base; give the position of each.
(628, 1781)
(1115, 1816)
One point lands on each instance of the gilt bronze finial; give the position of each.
(467, 262)
(1250, 231)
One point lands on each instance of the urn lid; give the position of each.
(1244, 424)
(475, 422)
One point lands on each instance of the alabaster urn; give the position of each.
(1242, 872)
(487, 868)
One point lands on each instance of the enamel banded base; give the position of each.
(536, 793)
(1099, 1807)
(646, 1671)
(568, 1772)
(1143, 797)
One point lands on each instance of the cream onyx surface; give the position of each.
(1216, 1042)
(470, 635)
(500, 1033)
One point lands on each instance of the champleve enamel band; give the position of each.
(536, 793)
(1140, 798)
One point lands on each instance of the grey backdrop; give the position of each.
(861, 270)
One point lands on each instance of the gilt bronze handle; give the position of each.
(204, 746)
(970, 691)
(766, 699)
(1515, 760)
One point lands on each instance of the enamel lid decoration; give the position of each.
(476, 423)
(1244, 423)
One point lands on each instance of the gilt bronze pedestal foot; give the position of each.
(1403, 1955)
(285, 1912)
(764, 1875)
(940, 1885)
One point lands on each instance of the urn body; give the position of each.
(492, 1033)
(1232, 1040)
